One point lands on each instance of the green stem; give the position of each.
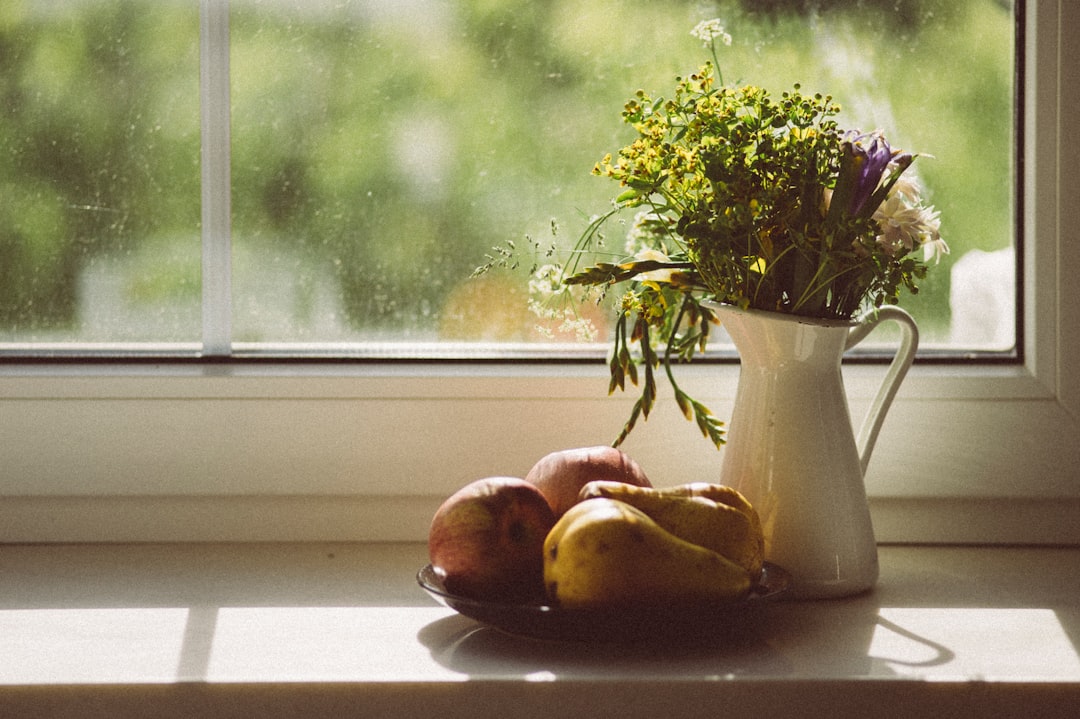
(716, 63)
(810, 292)
(585, 241)
(671, 341)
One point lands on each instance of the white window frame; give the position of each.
(365, 451)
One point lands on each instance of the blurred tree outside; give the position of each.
(380, 148)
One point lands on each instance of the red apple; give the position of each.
(487, 540)
(561, 475)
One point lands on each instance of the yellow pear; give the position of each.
(716, 492)
(605, 553)
(709, 515)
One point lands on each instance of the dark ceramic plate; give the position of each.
(543, 621)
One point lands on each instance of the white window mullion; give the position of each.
(216, 179)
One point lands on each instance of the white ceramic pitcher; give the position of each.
(791, 449)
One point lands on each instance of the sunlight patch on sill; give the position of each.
(999, 644)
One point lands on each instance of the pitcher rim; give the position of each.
(783, 316)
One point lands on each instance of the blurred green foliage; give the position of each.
(381, 148)
(99, 144)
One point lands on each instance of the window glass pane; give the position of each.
(382, 148)
(99, 171)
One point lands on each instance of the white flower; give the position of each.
(709, 30)
(905, 226)
(907, 186)
(562, 322)
(547, 281)
(933, 244)
(581, 328)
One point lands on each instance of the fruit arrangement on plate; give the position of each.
(586, 532)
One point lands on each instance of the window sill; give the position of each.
(342, 630)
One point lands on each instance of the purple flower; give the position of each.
(869, 155)
(861, 182)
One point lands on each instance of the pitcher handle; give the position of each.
(909, 342)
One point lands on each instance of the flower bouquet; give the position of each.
(752, 200)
